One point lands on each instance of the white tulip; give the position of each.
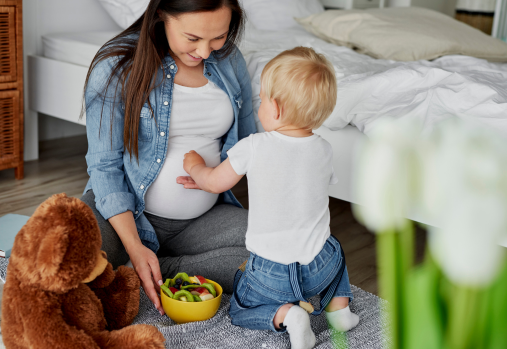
(456, 177)
(385, 175)
(466, 245)
(465, 192)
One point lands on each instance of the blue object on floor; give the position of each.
(10, 225)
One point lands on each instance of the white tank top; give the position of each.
(199, 118)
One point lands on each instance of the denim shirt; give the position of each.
(118, 181)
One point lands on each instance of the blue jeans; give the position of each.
(265, 286)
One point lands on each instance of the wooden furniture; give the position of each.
(481, 21)
(476, 13)
(11, 86)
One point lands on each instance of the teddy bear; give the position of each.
(61, 292)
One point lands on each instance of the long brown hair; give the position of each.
(147, 36)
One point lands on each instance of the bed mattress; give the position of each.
(76, 48)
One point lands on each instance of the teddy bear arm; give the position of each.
(104, 279)
(131, 337)
(52, 332)
(120, 299)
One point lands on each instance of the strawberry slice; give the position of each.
(173, 290)
(198, 290)
(201, 279)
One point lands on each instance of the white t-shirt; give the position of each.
(288, 180)
(199, 118)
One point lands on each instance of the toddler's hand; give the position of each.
(188, 182)
(191, 159)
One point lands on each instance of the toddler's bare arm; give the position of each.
(213, 180)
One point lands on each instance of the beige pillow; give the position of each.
(403, 34)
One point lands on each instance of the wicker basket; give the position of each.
(11, 86)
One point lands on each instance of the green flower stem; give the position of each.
(390, 281)
(463, 314)
(423, 321)
(497, 336)
(339, 339)
(406, 238)
(485, 313)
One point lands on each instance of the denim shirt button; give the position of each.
(158, 160)
(209, 74)
(168, 76)
(166, 103)
(141, 187)
(137, 212)
(172, 66)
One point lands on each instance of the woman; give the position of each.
(172, 82)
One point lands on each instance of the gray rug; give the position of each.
(218, 332)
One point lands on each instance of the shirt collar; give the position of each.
(168, 60)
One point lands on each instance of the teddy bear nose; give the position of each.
(104, 254)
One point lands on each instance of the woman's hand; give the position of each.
(188, 182)
(191, 159)
(146, 265)
(143, 259)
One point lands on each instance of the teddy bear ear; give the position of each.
(52, 250)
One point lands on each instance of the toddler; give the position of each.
(292, 253)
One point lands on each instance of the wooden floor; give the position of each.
(62, 168)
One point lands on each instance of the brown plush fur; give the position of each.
(45, 304)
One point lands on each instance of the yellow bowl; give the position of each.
(182, 312)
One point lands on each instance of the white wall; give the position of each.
(444, 6)
(500, 22)
(41, 17)
(397, 3)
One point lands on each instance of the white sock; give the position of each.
(298, 326)
(342, 320)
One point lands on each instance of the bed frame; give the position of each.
(56, 88)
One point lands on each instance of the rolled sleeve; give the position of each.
(115, 203)
(105, 153)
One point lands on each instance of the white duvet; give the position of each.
(369, 89)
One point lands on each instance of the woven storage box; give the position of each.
(11, 86)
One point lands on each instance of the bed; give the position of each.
(369, 88)
(56, 79)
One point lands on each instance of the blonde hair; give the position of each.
(303, 83)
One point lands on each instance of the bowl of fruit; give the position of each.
(190, 298)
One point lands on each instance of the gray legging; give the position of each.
(212, 245)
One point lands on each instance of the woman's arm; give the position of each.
(213, 180)
(143, 259)
(104, 130)
(114, 201)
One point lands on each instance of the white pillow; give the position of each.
(125, 12)
(279, 14)
(403, 34)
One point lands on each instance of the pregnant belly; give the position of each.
(165, 197)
